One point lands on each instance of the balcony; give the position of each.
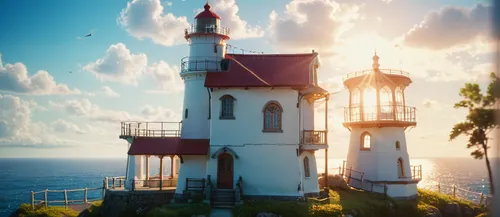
(201, 64)
(380, 116)
(206, 29)
(150, 129)
(369, 71)
(314, 139)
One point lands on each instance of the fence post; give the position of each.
(33, 200)
(454, 190)
(481, 199)
(65, 199)
(114, 179)
(439, 187)
(85, 193)
(46, 200)
(104, 187)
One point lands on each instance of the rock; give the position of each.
(432, 212)
(452, 210)
(334, 181)
(265, 214)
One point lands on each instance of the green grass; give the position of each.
(172, 210)
(25, 211)
(355, 202)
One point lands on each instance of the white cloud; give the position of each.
(62, 126)
(311, 24)
(431, 104)
(167, 78)
(15, 78)
(85, 108)
(451, 26)
(240, 29)
(107, 91)
(118, 64)
(17, 129)
(146, 19)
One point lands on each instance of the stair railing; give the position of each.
(208, 188)
(239, 190)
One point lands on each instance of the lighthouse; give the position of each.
(207, 46)
(377, 118)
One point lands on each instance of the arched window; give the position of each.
(272, 117)
(398, 145)
(401, 171)
(366, 141)
(307, 171)
(370, 104)
(227, 107)
(386, 105)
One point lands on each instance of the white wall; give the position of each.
(202, 47)
(265, 169)
(196, 101)
(247, 126)
(193, 167)
(379, 163)
(310, 184)
(307, 115)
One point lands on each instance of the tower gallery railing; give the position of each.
(206, 29)
(369, 71)
(201, 64)
(151, 129)
(387, 113)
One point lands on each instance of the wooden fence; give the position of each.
(479, 198)
(65, 201)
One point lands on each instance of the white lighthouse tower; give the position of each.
(207, 46)
(377, 116)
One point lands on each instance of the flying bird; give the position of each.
(90, 34)
(70, 72)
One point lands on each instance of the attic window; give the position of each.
(224, 64)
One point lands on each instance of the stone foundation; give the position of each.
(117, 201)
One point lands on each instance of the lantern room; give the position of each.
(377, 99)
(207, 22)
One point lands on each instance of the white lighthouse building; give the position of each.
(377, 117)
(248, 124)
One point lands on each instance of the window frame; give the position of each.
(401, 168)
(398, 145)
(307, 168)
(362, 146)
(226, 97)
(272, 130)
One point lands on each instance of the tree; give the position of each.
(480, 120)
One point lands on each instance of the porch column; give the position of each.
(161, 172)
(139, 166)
(326, 140)
(171, 166)
(147, 170)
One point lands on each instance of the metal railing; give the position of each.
(369, 71)
(201, 64)
(153, 184)
(151, 129)
(314, 137)
(116, 182)
(387, 113)
(455, 191)
(193, 29)
(416, 172)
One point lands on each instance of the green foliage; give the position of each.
(25, 211)
(285, 209)
(326, 210)
(184, 210)
(480, 120)
(94, 210)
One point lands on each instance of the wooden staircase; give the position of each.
(223, 198)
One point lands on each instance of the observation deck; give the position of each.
(191, 64)
(150, 129)
(380, 116)
(195, 30)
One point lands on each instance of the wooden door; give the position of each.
(225, 171)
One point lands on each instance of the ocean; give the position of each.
(21, 176)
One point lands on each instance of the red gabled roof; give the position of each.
(168, 146)
(207, 13)
(277, 70)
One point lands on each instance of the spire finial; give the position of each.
(207, 6)
(375, 58)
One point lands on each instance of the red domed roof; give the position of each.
(207, 13)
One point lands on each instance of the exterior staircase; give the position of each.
(223, 198)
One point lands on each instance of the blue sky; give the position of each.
(443, 44)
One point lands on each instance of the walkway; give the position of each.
(221, 213)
